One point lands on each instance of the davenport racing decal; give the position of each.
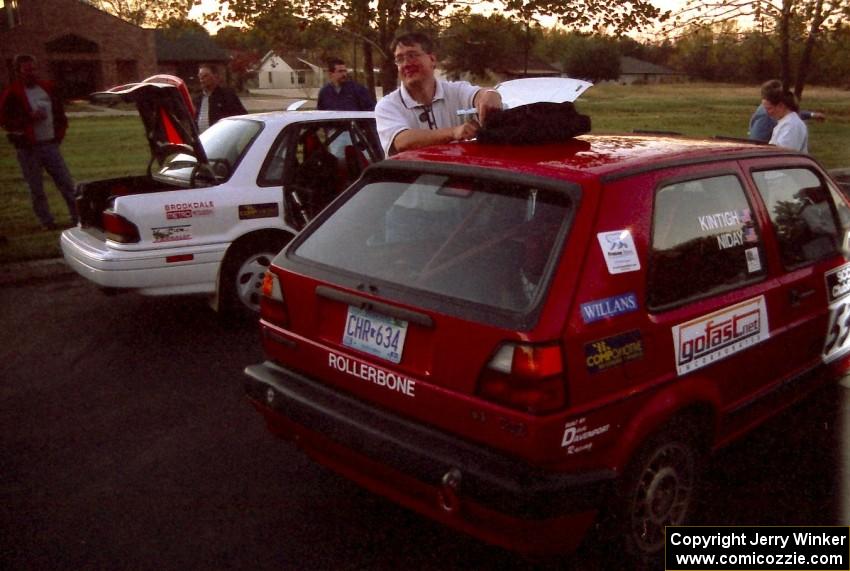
(577, 435)
(265, 210)
(171, 234)
(179, 210)
(837, 340)
(713, 337)
(613, 351)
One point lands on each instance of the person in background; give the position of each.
(762, 124)
(34, 116)
(342, 93)
(423, 110)
(215, 101)
(781, 106)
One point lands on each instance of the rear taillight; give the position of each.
(272, 304)
(118, 228)
(525, 377)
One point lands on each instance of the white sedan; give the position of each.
(213, 209)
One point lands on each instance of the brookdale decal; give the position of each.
(366, 372)
(710, 338)
(608, 307)
(179, 210)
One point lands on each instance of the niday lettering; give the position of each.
(719, 220)
(366, 372)
(730, 239)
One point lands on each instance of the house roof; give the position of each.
(187, 45)
(293, 61)
(517, 66)
(634, 66)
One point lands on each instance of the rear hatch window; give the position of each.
(473, 243)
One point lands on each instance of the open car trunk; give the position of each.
(94, 197)
(167, 113)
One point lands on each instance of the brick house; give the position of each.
(80, 47)
(180, 52)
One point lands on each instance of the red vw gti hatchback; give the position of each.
(521, 341)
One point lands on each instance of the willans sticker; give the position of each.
(618, 249)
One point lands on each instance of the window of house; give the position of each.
(704, 241)
(302, 79)
(11, 14)
(803, 213)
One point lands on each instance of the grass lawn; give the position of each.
(101, 147)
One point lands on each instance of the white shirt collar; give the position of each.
(411, 103)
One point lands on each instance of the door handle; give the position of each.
(796, 296)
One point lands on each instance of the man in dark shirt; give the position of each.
(343, 94)
(215, 101)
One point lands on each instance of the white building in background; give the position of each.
(288, 72)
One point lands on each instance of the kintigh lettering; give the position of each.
(719, 220)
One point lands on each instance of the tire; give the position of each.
(242, 274)
(658, 489)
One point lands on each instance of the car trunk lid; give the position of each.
(167, 112)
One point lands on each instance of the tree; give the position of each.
(375, 24)
(594, 58)
(794, 22)
(146, 12)
(615, 18)
(477, 44)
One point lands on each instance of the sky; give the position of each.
(212, 6)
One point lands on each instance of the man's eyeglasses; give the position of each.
(401, 59)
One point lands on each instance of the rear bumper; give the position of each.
(147, 271)
(499, 499)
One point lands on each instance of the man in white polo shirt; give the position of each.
(423, 110)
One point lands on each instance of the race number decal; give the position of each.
(838, 331)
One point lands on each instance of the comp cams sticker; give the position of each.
(710, 338)
(619, 251)
(612, 351)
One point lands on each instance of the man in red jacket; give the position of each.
(32, 113)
